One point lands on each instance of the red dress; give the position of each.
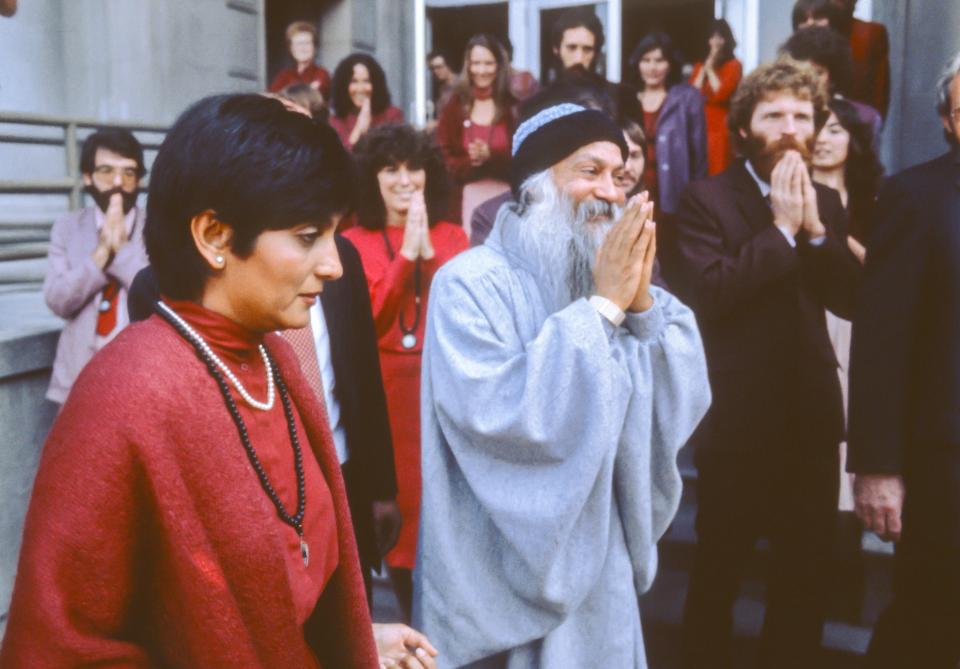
(312, 75)
(392, 294)
(715, 108)
(150, 541)
(344, 126)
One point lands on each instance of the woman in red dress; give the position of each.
(476, 126)
(302, 43)
(402, 243)
(361, 99)
(189, 509)
(717, 78)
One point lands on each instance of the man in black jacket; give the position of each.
(353, 396)
(905, 400)
(758, 252)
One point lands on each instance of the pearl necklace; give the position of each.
(199, 341)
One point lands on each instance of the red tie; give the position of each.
(107, 309)
(303, 345)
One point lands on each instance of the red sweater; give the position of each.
(149, 540)
(313, 75)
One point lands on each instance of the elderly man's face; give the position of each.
(951, 122)
(592, 172)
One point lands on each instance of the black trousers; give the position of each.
(361, 513)
(788, 494)
(921, 627)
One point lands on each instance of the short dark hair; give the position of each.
(120, 141)
(633, 130)
(722, 28)
(824, 47)
(782, 75)
(862, 170)
(437, 53)
(818, 9)
(391, 145)
(257, 165)
(579, 17)
(380, 98)
(651, 42)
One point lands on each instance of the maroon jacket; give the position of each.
(149, 541)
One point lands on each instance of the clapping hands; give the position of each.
(624, 264)
(113, 233)
(416, 233)
(793, 198)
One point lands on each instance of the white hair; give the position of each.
(947, 75)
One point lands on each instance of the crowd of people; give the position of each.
(484, 382)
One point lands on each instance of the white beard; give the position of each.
(561, 238)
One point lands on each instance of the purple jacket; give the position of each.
(681, 144)
(73, 283)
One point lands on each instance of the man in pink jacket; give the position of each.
(94, 254)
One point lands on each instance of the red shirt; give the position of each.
(270, 438)
(345, 125)
(312, 75)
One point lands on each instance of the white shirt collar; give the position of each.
(761, 184)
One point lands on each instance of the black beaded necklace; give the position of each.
(296, 520)
(409, 339)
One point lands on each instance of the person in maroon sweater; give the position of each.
(361, 98)
(402, 241)
(189, 509)
(302, 42)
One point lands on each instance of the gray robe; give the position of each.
(549, 444)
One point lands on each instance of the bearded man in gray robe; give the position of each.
(558, 387)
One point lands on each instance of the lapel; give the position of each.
(89, 236)
(753, 208)
(335, 302)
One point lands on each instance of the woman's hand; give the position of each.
(399, 646)
(479, 152)
(418, 212)
(364, 118)
(410, 247)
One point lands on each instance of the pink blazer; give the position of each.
(73, 283)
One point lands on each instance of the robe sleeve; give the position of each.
(74, 597)
(68, 286)
(535, 425)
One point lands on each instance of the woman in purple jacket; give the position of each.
(670, 111)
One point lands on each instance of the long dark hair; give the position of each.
(722, 28)
(379, 98)
(651, 42)
(502, 98)
(391, 145)
(862, 171)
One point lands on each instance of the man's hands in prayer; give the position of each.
(416, 233)
(793, 198)
(878, 500)
(402, 647)
(113, 234)
(625, 259)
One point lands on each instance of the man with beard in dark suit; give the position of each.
(904, 400)
(758, 252)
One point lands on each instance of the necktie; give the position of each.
(303, 345)
(107, 309)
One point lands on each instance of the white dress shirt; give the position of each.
(321, 342)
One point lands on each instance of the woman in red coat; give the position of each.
(717, 78)
(476, 126)
(189, 509)
(302, 41)
(361, 99)
(402, 243)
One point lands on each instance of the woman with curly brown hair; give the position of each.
(476, 125)
(361, 98)
(402, 241)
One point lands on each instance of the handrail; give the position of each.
(23, 118)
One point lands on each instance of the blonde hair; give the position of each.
(302, 27)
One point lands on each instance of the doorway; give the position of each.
(278, 15)
(686, 21)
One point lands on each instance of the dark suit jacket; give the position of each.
(760, 307)
(359, 389)
(905, 354)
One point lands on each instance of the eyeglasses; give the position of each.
(109, 173)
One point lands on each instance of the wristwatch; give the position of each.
(608, 310)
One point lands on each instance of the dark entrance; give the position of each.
(452, 27)
(686, 21)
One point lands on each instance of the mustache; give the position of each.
(596, 209)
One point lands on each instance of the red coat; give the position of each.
(392, 293)
(344, 126)
(870, 50)
(149, 541)
(715, 108)
(312, 75)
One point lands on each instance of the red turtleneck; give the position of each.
(237, 348)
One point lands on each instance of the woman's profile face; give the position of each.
(483, 67)
(274, 287)
(398, 185)
(302, 48)
(654, 68)
(360, 88)
(833, 145)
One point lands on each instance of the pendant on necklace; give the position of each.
(304, 552)
(104, 306)
(409, 341)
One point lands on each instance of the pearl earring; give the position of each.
(218, 259)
